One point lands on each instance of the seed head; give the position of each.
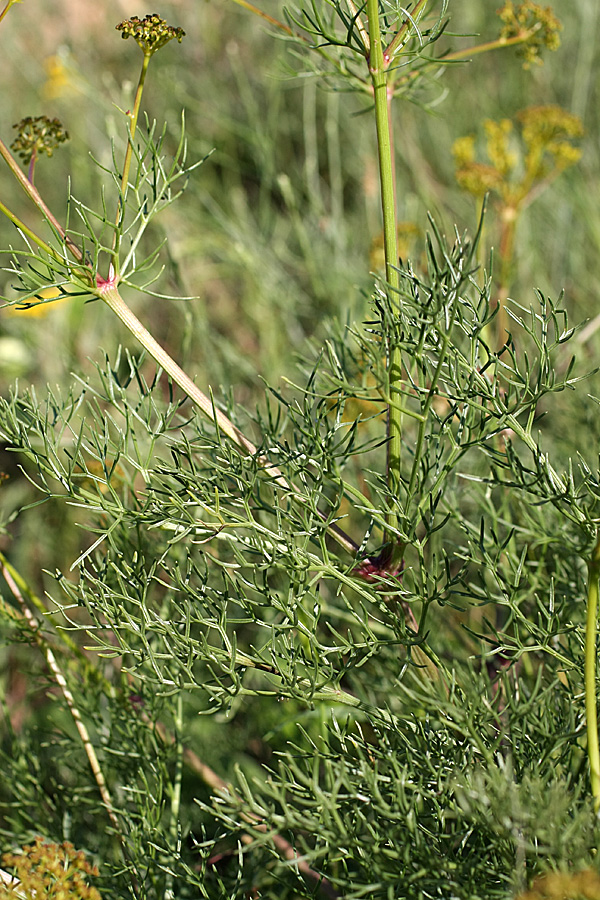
(38, 135)
(150, 33)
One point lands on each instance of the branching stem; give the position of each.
(591, 629)
(31, 235)
(133, 120)
(498, 44)
(176, 794)
(379, 79)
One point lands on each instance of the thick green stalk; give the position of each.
(379, 80)
(591, 629)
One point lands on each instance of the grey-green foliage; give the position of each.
(417, 734)
(215, 586)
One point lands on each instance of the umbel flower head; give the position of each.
(519, 164)
(150, 33)
(38, 135)
(47, 870)
(535, 22)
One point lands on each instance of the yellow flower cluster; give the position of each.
(49, 871)
(532, 21)
(549, 130)
(518, 163)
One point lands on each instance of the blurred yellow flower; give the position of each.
(521, 159)
(39, 310)
(407, 233)
(57, 81)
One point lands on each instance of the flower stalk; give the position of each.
(379, 79)
(591, 708)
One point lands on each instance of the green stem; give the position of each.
(498, 44)
(431, 395)
(402, 31)
(133, 120)
(29, 233)
(133, 125)
(176, 795)
(379, 79)
(7, 7)
(590, 672)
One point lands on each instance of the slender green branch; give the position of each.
(459, 55)
(431, 394)
(591, 710)
(497, 44)
(396, 41)
(379, 79)
(176, 795)
(133, 120)
(7, 7)
(29, 233)
(264, 15)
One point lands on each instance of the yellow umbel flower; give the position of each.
(48, 871)
(520, 158)
(534, 22)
